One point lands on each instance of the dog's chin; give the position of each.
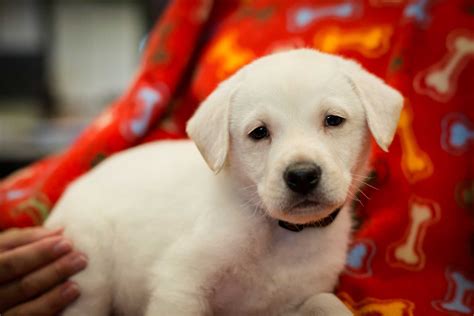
(303, 212)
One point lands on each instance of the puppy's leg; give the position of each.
(179, 293)
(182, 282)
(324, 304)
(178, 302)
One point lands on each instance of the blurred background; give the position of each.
(61, 63)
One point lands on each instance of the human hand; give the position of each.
(34, 266)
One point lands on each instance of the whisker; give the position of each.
(352, 196)
(366, 183)
(362, 192)
(248, 188)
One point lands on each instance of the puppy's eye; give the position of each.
(259, 133)
(333, 120)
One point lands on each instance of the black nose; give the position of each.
(302, 177)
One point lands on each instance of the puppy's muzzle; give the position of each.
(302, 177)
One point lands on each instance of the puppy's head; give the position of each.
(293, 129)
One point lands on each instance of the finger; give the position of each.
(19, 261)
(40, 281)
(49, 304)
(21, 236)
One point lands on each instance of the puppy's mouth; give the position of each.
(309, 213)
(320, 223)
(304, 205)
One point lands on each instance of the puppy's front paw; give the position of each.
(324, 304)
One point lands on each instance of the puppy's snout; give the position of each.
(302, 177)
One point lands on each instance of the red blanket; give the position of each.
(413, 249)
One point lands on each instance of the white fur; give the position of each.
(166, 236)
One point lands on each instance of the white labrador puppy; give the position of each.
(287, 136)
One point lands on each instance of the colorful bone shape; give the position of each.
(459, 288)
(359, 259)
(418, 11)
(228, 55)
(15, 194)
(415, 163)
(408, 253)
(457, 133)
(376, 307)
(148, 97)
(301, 17)
(146, 100)
(372, 42)
(36, 207)
(18, 186)
(440, 80)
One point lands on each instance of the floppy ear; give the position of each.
(209, 126)
(382, 104)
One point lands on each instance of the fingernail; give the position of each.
(61, 247)
(70, 291)
(78, 262)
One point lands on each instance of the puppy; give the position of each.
(287, 138)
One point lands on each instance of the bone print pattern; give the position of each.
(373, 306)
(371, 42)
(359, 258)
(416, 163)
(440, 80)
(301, 17)
(408, 252)
(418, 10)
(147, 98)
(228, 55)
(457, 296)
(36, 207)
(457, 133)
(391, 269)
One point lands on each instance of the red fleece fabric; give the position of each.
(412, 252)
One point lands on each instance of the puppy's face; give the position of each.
(299, 136)
(297, 132)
